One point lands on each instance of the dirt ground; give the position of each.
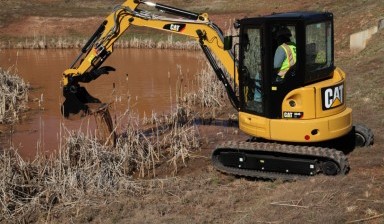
(199, 194)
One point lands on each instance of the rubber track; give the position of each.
(332, 154)
(367, 132)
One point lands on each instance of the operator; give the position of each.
(285, 54)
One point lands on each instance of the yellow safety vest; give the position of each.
(290, 60)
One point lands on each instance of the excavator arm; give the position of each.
(87, 66)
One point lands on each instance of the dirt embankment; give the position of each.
(199, 194)
(53, 19)
(37, 26)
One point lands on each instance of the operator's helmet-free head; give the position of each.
(283, 34)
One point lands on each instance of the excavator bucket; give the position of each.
(79, 103)
(77, 98)
(76, 104)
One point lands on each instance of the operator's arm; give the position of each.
(279, 58)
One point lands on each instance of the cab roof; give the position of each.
(304, 16)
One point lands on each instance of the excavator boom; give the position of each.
(100, 46)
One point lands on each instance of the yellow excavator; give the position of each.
(293, 122)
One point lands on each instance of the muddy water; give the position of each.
(145, 81)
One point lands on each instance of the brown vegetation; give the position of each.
(13, 96)
(78, 42)
(85, 166)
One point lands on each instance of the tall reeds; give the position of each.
(69, 43)
(13, 96)
(210, 96)
(84, 166)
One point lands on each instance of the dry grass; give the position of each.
(169, 43)
(210, 96)
(210, 93)
(83, 167)
(69, 43)
(78, 42)
(13, 96)
(86, 166)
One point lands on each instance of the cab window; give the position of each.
(318, 50)
(252, 69)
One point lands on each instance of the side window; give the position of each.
(252, 68)
(318, 49)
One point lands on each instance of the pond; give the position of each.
(144, 81)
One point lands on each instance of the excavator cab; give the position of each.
(311, 90)
(262, 90)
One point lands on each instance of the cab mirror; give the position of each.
(228, 42)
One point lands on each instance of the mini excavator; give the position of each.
(288, 118)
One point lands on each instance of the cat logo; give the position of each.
(333, 96)
(297, 115)
(175, 27)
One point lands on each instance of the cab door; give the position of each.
(280, 87)
(261, 92)
(251, 70)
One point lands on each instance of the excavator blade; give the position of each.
(77, 101)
